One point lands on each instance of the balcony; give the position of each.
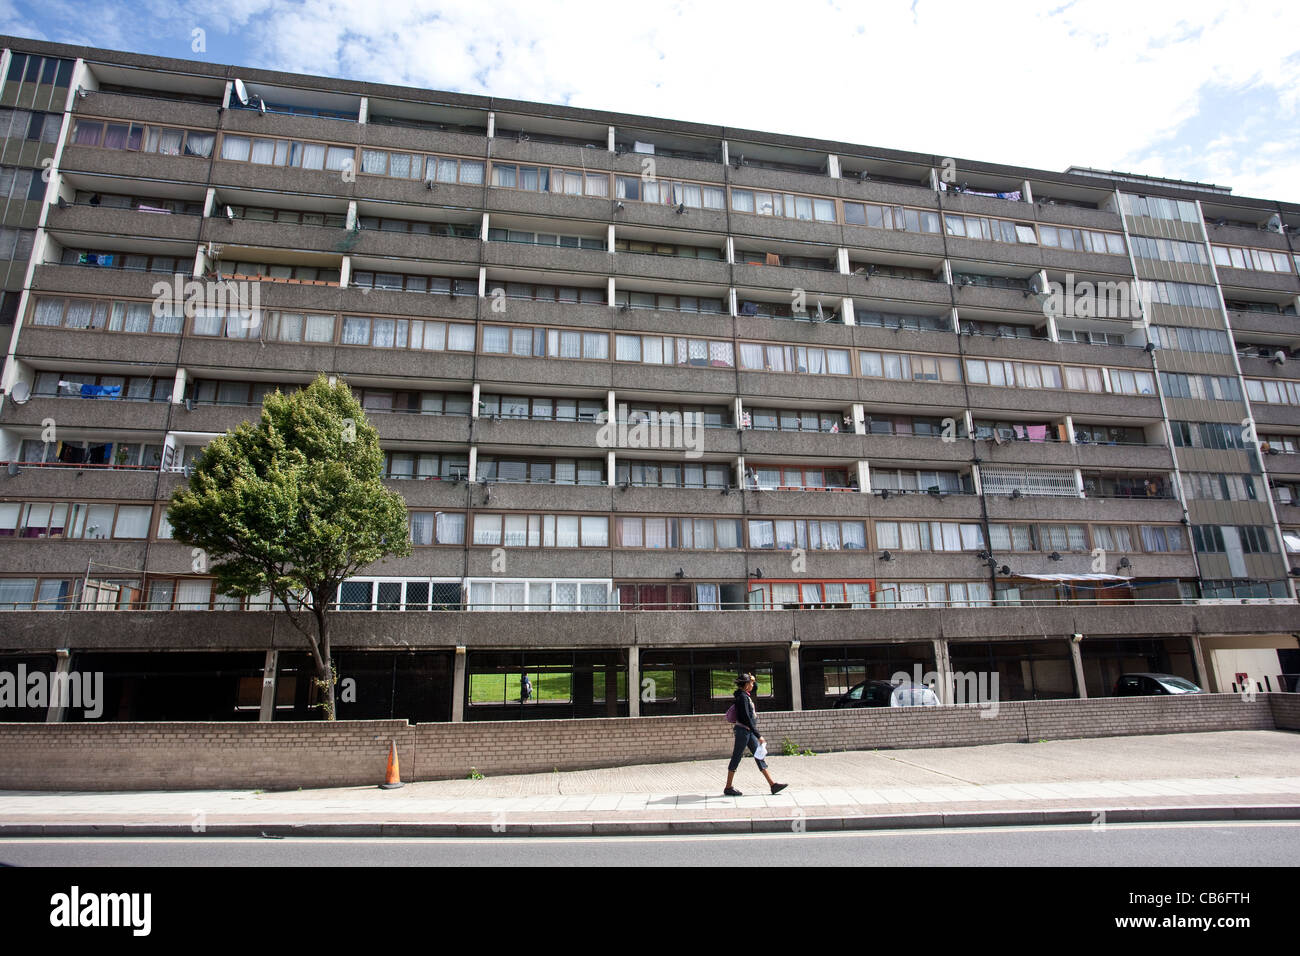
(114, 414)
(750, 228)
(1284, 282)
(251, 630)
(100, 281)
(270, 235)
(893, 240)
(423, 140)
(416, 427)
(670, 167)
(147, 109)
(126, 164)
(548, 205)
(73, 482)
(522, 255)
(410, 364)
(1266, 323)
(105, 348)
(503, 373)
(826, 282)
(106, 221)
(672, 268)
(846, 447)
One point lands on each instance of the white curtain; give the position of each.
(193, 595)
(855, 535)
(628, 348)
(312, 156)
(460, 338)
(421, 527)
(595, 532)
(235, 148)
(263, 151)
(566, 531)
(356, 331)
(451, 528)
(320, 328)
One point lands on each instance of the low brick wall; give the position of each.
(1286, 711)
(199, 756)
(179, 756)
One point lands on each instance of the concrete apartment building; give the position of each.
(879, 410)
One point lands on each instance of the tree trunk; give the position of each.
(325, 667)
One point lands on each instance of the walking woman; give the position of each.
(747, 736)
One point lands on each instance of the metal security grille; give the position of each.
(1037, 482)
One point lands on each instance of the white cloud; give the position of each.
(1101, 83)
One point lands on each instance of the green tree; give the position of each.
(294, 505)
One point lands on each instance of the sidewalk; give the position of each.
(1232, 775)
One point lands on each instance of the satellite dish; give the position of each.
(21, 393)
(1274, 224)
(241, 91)
(230, 214)
(1279, 357)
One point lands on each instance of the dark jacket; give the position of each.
(746, 716)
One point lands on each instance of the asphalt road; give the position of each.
(1210, 844)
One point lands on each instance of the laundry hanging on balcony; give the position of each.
(93, 391)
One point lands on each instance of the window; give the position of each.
(1191, 340)
(892, 217)
(785, 205)
(674, 533)
(908, 367)
(784, 534)
(16, 244)
(34, 68)
(265, 151)
(437, 527)
(138, 137)
(541, 530)
(669, 192)
(20, 184)
(31, 125)
(534, 342)
(74, 520)
(795, 358)
(1082, 240)
(1180, 293)
(1273, 391)
(570, 182)
(1155, 207)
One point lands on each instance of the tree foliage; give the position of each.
(294, 505)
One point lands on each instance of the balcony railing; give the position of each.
(71, 604)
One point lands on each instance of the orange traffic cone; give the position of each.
(393, 778)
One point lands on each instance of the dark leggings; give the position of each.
(745, 739)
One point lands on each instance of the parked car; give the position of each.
(881, 693)
(1145, 685)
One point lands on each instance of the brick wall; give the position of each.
(198, 756)
(178, 756)
(1286, 711)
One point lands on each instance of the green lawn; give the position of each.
(557, 685)
(554, 686)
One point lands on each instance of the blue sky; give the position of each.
(1196, 90)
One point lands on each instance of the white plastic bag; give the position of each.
(761, 752)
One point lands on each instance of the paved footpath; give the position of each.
(1228, 775)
